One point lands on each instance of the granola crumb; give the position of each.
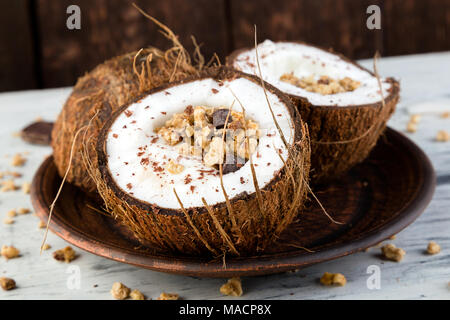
(442, 136)
(415, 118)
(233, 287)
(174, 168)
(119, 291)
(9, 252)
(411, 127)
(23, 210)
(333, 279)
(18, 160)
(168, 296)
(391, 252)
(8, 185)
(137, 295)
(42, 225)
(11, 213)
(393, 237)
(7, 283)
(26, 187)
(67, 254)
(46, 246)
(8, 221)
(445, 115)
(324, 85)
(433, 248)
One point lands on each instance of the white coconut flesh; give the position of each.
(132, 138)
(280, 58)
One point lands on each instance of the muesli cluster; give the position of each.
(323, 85)
(218, 135)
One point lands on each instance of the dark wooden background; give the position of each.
(38, 51)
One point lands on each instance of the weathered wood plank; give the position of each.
(16, 49)
(109, 28)
(416, 26)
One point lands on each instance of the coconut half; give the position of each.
(191, 207)
(96, 96)
(338, 99)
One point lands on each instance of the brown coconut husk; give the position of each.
(107, 87)
(343, 136)
(242, 225)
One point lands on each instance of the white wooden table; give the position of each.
(425, 87)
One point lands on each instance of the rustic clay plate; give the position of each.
(376, 200)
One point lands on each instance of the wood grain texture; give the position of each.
(376, 200)
(416, 26)
(110, 28)
(16, 49)
(340, 25)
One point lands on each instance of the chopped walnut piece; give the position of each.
(411, 127)
(9, 252)
(67, 254)
(8, 185)
(233, 287)
(11, 213)
(26, 187)
(168, 296)
(433, 248)
(137, 295)
(393, 253)
(442, 136)
(333, 279)
(23, 210)
(174, 168)
(7, 283)
(119, 291)
(18, 160)
(415, 118)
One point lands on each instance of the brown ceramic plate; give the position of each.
(376, 200)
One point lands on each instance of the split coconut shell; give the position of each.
(98, 94)
(343, 131)
(238, 219)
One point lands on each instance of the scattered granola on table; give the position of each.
(333, 279)
(433, 248)
(11, 213)
(8, 185)
(7, 283)
(23, 210)
(8, 221)
(67, 254)
(18, 160)
(42, 225)
(119, 291)
(9, 252)
(415, 118)
(46, 246)
(411, 127)
(442, 136)
(233, 287)
(391, 252)
(168, 296)
(137, 295)
(26, 187)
